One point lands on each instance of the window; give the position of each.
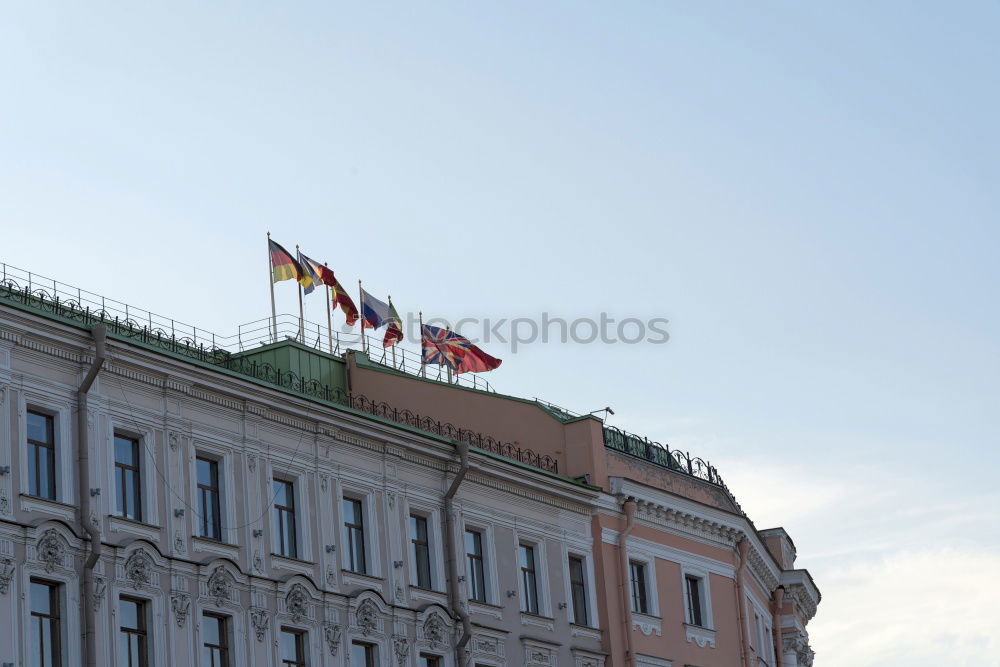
(284, 518)
(421, 550)
(354, 535)
(429, 660)
(578, 589)
(529, 578)
(132, 636)
(694, 606)
(637, 575)
(209, 509)
(45, 631)
(41, 455)
(475, 566)
(362, 655)
(215, 641)
(127, 478)
(293, 647)
(760, 644)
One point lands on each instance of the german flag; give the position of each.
(283, 265)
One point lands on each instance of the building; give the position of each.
(166, 500)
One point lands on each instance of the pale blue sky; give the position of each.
(807, 191)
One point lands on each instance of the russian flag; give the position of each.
(374, 312)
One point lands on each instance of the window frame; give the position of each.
(639, 586)
(53, 617)
(438, 660)
(301, 647)
(470, 571)
(224, 647)
(584, 585)
(413, 520)
(142, 632)
(355, 536)
(529, 579)
(121, 469)
(202, 490)
(371, 653)
(32, 460)
(279, 511)
(704, 596)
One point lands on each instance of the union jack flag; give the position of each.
(442, 347)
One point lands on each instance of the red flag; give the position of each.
(476, 361)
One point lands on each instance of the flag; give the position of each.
(310, 277)
(447, 348)
(374, 312)
(477, 361)
(322, 274)
(283, 265)
(343, 300)
(394, 333)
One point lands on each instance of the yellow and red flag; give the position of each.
(323, 274)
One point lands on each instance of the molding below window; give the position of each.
(647, 624)
(485, 608)
(584, 631)
(38, 504)
(538, 621)
(217, 547)
(119, 524)
(701, 636)
(439, 597)
(360, 578)
(294, 564)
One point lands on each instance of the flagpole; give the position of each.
(391, 309)
(270, 280)
(423, 366)
(361, 307)
(329, 314)
(302, 315)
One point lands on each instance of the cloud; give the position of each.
(909, 568)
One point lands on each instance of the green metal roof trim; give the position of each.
(242, 366)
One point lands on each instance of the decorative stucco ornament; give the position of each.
(50, 549)
(7, 569)
(401, 647)
(181, 604)
(220, 585)
(366, 615)
(434, 629)
(139, 568)
(332, 634)
(297, 602)
(260, 620)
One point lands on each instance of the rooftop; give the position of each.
(245, 353)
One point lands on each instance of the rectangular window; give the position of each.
(284, 518)
(45, 630)
(637, 574)
(209, 506)
(429, 660)
(421, 550)
(476, 572)
(362, 655)
(529, 578)
(132, 635)
(41, 455)
(693, 585)
(578, 588)
(215, 640)
(127, 477)
(354, 535)
(292, 645)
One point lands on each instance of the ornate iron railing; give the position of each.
(188, 346)
(661, 455)
(54, 295)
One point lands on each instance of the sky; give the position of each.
(806, 191)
